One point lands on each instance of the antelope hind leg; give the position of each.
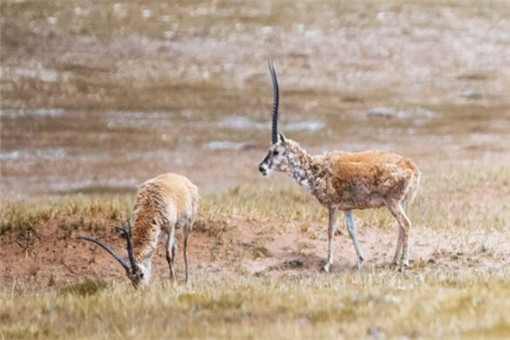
(332, 227)
(352, 232)
(404, 225)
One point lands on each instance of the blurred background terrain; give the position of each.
(99, 96)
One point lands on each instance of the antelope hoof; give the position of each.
(361, 260)
(394, 265)
(402, 268)
(326, 267)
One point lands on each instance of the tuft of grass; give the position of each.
(86, 288)
(257, 249)
(287, 264)
(22, 220)
(214, 225)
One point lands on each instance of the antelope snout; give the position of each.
(263, 169)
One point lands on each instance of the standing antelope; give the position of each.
(346, 181)
(163, 204)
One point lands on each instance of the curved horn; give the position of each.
(105, 247)
(276, 101)
(127, 233)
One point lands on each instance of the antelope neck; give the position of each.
(301, 167)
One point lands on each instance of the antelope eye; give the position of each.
(141, 275)
(276, 152)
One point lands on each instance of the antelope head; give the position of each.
(277, 157)
(134, 271)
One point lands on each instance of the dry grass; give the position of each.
(429, 301)
(22, 221)
(465, 209)
(433, 302)
(373, 305)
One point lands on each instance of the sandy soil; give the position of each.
(251, 248)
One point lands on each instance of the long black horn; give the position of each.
(276, 101)
(111, 252)
(129, 240)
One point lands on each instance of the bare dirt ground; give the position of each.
(255, 248)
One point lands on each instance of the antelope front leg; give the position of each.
(185, 252)
(352, 231)
(170, 252)
(333, 226)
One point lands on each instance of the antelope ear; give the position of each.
(282, 138)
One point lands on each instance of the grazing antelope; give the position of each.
(163, 204)
(346, 181)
